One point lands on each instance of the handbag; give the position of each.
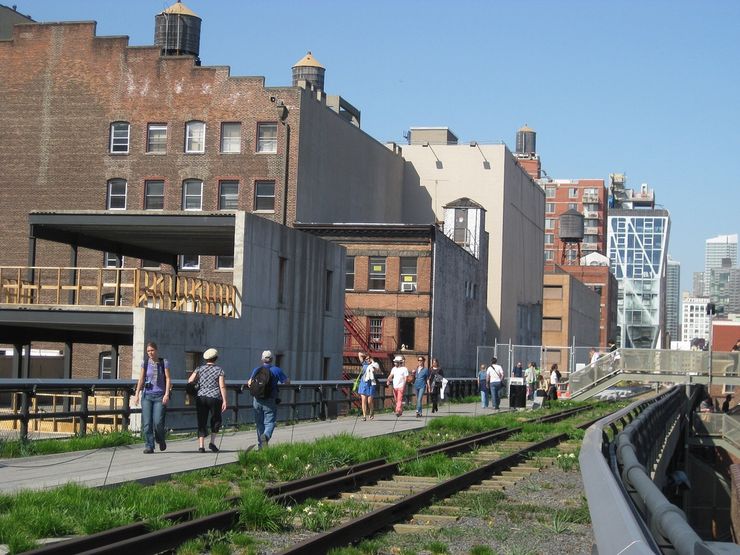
(191, 388)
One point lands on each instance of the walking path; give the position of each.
(108, 466)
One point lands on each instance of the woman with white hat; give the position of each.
(211, 398)
(397, 377)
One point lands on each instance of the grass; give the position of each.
(16, 448)
(437, 466)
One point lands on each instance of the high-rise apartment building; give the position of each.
(673, 300)
(720, 257)
(718, 248)
(695, 321)
(637, 249)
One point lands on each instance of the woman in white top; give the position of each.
(367, 386)
(397, 377)
(552, 393)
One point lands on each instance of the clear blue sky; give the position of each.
(648, 88)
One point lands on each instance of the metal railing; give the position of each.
(75, 286)
(623, 459)
(36, 406)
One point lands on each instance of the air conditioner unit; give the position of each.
(408, 287)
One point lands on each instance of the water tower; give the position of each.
(309, 69)
(570, 234)
(177, 31)
(526, 141)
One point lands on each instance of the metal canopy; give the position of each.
(158, 236)
(106, 327)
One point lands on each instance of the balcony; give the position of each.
(125, 287)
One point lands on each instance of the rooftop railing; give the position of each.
(132, 287)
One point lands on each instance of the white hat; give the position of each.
(210, 354)
(398, 358)
(266, 355)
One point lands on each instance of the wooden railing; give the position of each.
(117, 287)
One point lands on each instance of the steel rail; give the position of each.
(138, 537)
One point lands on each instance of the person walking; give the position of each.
(530, 377)
(435, 383)
(485, 392)
(552, 392)
(210, 398)
(265, 405)
(367, 385)
(153, 388)
(397, 377)
(420, 384)
(495, 381)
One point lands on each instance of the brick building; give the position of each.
(91, 123)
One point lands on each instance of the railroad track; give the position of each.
(137, 537)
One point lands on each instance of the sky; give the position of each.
(646, 88)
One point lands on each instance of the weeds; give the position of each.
(16, 448)
(437, 547)
(566, 461)
(481, 550)
(437, 465)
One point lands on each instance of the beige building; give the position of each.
(439, 170)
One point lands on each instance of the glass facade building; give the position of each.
(637, 251)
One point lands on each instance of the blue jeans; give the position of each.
(420, 398)
(152, 418)
(485, 397)
(496, 394)
(265, 412)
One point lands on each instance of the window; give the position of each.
(105, 366)
(406, 332)
(282, 269)
(549, 255)
(228, 195)
(189, 262)
(195, 136)
(116, 194)
(572, 206)
(376, 281)
(552, 292)
(231, 138)
(267, 137)
(192, 194)
(108, 299)
(573, 192)
(552, 324)
(156, 138)
(408, 273)
(349, 273)
(120, 133)
(549, 238)
(549, 207)
(549, 192)
(224, 262)
(150, 264)
(111, 260)
(376, 333)
(549, 223)
(264, 196)
(154, 195)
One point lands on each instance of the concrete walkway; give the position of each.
(123, 464)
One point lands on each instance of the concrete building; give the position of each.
(694, 318)
(414, 289)
(724, 289)
(586, 196)
(285, 294)
(440, 170)
(673, 299)
(570, 317)
(637, 249)
(91, 123)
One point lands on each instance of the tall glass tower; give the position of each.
(673, 300)
(637, 251)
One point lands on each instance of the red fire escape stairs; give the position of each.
(356, 328)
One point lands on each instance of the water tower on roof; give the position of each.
(526, 141)
(177, 31)
(309, 69)
(571, 236)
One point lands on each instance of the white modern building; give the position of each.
(438, 171)
(673, 299)
(695, 321)
(715, 250)
(637, 251)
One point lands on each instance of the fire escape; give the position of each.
(357, 338)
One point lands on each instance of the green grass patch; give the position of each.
(16, 448)
(437, 466)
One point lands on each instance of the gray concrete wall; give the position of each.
(515, 208)
(343, 170)
(300, 329)
(458, 321)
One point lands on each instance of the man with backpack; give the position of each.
(263, 385)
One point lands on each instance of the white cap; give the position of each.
(398, 358)
(266, 355)
(210, 354)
